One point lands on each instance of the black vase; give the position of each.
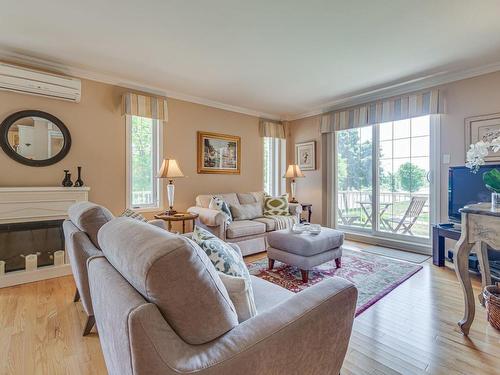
(67, 179)
(79, 181)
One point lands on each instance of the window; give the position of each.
(144, 150)
(274, 165)
(383, 179)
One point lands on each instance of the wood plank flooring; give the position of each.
(412, 330)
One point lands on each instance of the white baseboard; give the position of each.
(42, 273)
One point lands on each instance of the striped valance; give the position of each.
(271, 128)
(145, 106)
(393, 109)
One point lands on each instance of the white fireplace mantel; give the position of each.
(30, 204)
(23, 204)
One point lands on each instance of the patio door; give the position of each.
(384, 182)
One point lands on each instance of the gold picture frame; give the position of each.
(483, 128)
(219, 153)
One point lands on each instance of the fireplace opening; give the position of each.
(17, 240)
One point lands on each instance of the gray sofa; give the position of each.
(80, 234)
(250, 235)
(164, 310)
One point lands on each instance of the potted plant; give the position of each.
(475, 158)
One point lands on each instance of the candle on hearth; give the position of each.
(31, 262)
(2, 268)
(58, 258)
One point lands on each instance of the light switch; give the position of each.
(446, 158)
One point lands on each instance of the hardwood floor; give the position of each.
(412, 330)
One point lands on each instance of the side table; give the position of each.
(180, 216)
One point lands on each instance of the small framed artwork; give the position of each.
(485, 128)
(219, 153)
(305, 155)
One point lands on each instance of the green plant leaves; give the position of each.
(492, 180)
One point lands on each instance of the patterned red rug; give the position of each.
(374, 276)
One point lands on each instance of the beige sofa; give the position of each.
(249, 235)
(161, 308)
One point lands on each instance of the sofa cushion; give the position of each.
(241, 294)
(89, 218)
(134, 215)
(267, 295)
(173, 273)
(204, 199)
(270, 223)
(276, 205)
(244, 228)
(246, 211)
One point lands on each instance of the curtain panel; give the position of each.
(145, 106)
(393, 109)
(271, 129)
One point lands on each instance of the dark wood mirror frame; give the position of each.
(4, 141)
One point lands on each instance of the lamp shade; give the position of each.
(170, 169)
(293, 171)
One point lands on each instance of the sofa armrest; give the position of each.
(157, 223)
(209, 217)
(295, 209)
(318, 321)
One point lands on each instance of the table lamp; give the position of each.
(293, 172)
(170, 170)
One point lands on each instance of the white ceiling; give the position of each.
(279, 57)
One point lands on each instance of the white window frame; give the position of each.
(158, 186)
(374, 236)
(277, 165)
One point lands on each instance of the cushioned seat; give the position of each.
(306, 245)
(270, 223)
(244, 228)
(267, 295)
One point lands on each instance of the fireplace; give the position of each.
(41, 238)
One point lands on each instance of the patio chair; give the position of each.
(344, 215)
(406, 222)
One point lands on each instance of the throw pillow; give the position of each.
(276, 206)
(134, 215)
(246, 211)
(217, 203)
(241, 295)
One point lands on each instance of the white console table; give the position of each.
(480, 228)
(34, 204)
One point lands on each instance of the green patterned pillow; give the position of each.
(276, 206)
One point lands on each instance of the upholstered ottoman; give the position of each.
(305, 250)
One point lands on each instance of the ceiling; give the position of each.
(281, 58)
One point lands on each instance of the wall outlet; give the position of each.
(446, 158)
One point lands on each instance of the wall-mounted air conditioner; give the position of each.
(33, 82)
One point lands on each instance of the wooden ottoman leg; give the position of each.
(338, 262)
(305, 276)
(271, 263)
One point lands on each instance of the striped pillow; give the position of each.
(134, 215)
(276, 206)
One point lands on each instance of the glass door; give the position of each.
(383, 179)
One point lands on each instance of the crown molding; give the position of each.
(398, 88)
(34, 62)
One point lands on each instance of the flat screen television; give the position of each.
(465, 187)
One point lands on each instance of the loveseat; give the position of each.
(161, 308)
(249, 234)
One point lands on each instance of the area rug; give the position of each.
(374, 276)
(396, 254)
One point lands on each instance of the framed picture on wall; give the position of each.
(219, 153)
(305, 155)
(485, 128)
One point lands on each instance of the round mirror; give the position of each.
(34, 138)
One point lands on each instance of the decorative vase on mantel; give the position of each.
(67, 179)
(79, 181)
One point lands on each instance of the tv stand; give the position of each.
(439, 233)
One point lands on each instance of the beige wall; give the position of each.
(98, 133)
(462, 99)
